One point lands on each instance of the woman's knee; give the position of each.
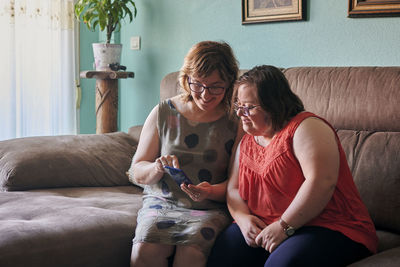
(230, 249)
(143, 254)
(224, 245)
(189, 256)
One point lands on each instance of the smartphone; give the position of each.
(178, 175)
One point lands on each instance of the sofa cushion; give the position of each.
(374, 161)
(65, 161)
(388, 258)
(387, 240)
(64, 227)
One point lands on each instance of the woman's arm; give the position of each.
(316, 149)
(146, 169)
(249, 225)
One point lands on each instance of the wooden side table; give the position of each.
(106, 97)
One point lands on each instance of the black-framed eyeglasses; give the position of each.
(199, 88)
(245, 109)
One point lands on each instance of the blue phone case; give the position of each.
(178, 175)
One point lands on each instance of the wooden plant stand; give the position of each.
(106, 97)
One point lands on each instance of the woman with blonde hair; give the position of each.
(194, 132)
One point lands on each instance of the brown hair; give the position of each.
(203, 59)
(274, 93)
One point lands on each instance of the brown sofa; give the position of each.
(67, 202)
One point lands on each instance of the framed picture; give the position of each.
(374, 8)
(256, 11)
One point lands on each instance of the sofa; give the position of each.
(67, 201)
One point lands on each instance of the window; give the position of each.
(38, 68)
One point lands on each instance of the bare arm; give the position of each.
(316, 148)
(146, 170)
(249, 224)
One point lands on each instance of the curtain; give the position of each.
(37, 68)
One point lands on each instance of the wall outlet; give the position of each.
(135, 43)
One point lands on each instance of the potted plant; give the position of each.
(107, 14)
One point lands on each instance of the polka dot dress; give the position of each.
(168, 215)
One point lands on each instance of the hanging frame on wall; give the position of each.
(256, 11)
(373, 8)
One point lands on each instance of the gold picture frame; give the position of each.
(257, 11)
(373, 8)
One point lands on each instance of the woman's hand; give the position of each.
(167, 160)
(198, 192)
(271, 237)
(250, 226)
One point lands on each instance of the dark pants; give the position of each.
(309, 246)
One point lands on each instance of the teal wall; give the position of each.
(168, 28)
(87, 116)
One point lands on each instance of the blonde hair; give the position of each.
(202, 60)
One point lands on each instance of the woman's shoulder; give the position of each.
(314, 130)
(312, 122)
(300, 119)
(173, 103)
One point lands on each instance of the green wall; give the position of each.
(168, 28)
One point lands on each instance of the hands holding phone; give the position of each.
(170, 165)
(198, 192)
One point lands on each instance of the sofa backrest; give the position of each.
(363, 104)
(352, 98)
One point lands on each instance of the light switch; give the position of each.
(135, 43)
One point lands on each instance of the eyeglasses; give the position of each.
(199, 88)
(246, 110)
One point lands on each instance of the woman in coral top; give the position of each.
(291, 192)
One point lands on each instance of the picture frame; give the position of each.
(374, 8)
(259, 11)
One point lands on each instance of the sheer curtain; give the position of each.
(37, 68)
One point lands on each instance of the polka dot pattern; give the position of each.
(164, 188)
(207, 233)
(165, 224)
(185, 159)
(229, 146)
(192, 140)
(204, 175)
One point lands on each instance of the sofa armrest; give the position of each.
(135, 131)
(387, 258)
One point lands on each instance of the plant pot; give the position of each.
(106, 54)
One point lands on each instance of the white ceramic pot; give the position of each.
(106, 54)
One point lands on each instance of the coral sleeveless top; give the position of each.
(270, 177)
